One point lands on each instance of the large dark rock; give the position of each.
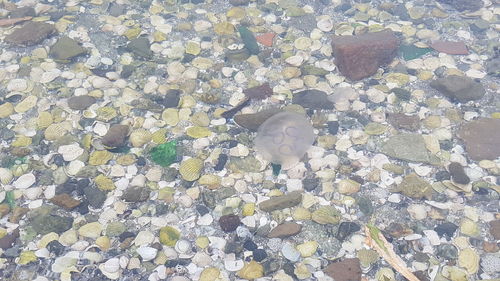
(482, 138)
(313, 99)
(66, 48)
(116, 135)
(459, 88)
(360, 56)
(30, 34)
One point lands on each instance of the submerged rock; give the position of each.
(30, 34)
(360, 56)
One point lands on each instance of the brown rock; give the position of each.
(259, 92)
(360, 56)
(449, 47)
(4, 209)
(404, 122)
(65, 201)
(115, 137)
(81, 102)
(495, 229)
(281, 202)
(482, 138)
(490, 247)
(30, 34)
(284, 230)
(17, 214)
(9, 239)
(346, 270)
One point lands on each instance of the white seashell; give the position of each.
(24, 181)
(183, 246)
(112, 265)
(147, 253)
(5, 176)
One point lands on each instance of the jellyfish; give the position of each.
(284, 138)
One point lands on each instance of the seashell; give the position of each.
(385, 274)
(190, 169)
(112, 265)
(55, 131)
(183, 246)
(326, 215)
(469, 259)
(44, 120)
(139, 137)
(198, 132)
(5, 176)
(159, 136)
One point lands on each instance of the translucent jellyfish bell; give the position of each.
(284, 138)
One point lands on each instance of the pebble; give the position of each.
(289, 252)
(147, 253)
(24, 181)
(70, 152)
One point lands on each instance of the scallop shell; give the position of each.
(190, 169)
(139, 137)
(55, 131)
(326, 215)
(469, 260)
(5, 176)
(44, 120)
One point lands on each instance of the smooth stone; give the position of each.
(66, 48)
(480, 137)
(81, 102)
(281, 202)
(459, 88)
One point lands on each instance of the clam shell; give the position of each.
(190, 169)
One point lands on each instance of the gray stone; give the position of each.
(115, 136)
(459, 88)
(136, 194)
(46, 223)
(252, 121)
(115, 228)
(482, 138)
(95, 196)
(141, 47)
(65, 49)
(415, 187)
(464, 5)
(281, 202)
(313, 99)
(81, 102)
(409, 147)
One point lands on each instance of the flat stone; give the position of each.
(66, 48)
(252, 121)
(450, 47)
(313, 99)
(403, 121)
(281, 202)
(8, 240)
(81, 102)
(30, 34)
(360, 56)
(65, 200)
(481, 138)
(136, 194)
(44, 224)
(229, 223)
(116, 135)
(140, 47)
(284, 230)
(95, 196)
(459, 88)
(409, 147)
(346, 270)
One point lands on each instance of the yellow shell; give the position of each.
(55, 131)
(211, 181)
(326, 215)
(104, 183)
(100, 157)
(159, 137)
(106, 113)
(6, 109)
(190, 169)
(140, 137)
(44, 120)
(469, 260)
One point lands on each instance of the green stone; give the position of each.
(169, 236)
(10, 199)
(44, 224)
(402, 94)
(249, 40)
(410, 52)
(164, 154)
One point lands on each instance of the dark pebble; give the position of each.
(95, 196)
(345, 229)
(259, 255)
(442, 176)
(202, 210)
(447, 251)
(229, 223)
(365, 205)
(83, 208)
(125, 235)
(55, 247)
(457, 173)
(333, 127)
(250, 245)
(67, 187)
(310, 184)
(161, 209)
(58, 160)
(221, 162)
(447, 229)
(233, 248)
(141, 161)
